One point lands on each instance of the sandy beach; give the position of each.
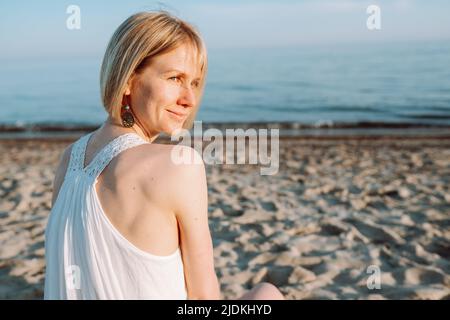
(335, 208)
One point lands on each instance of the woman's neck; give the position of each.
(115, 128)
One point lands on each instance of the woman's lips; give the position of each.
(177, 115)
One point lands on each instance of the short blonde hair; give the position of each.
(139, 39)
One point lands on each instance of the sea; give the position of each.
(353, 85)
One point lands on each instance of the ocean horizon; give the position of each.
(314, 86)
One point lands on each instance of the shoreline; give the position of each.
(307, 139)
(287, 130)
(68, 126)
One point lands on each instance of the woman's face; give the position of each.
(164, 94)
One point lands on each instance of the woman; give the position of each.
(127, 222)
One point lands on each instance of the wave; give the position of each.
(74, 127)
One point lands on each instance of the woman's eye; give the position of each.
(195, 84)
(176, 78)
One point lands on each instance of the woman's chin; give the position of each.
(173, 128)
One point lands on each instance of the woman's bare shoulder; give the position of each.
(61, 171)
(172, 164)
(65, 156)
(163, 178)
(171, 157)
(63, 162)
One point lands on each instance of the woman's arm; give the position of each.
(191, 209)
(60, 172)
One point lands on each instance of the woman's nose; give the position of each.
(187, 97)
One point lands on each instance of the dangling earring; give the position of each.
(127, 117)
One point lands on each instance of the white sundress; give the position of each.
(86, 256)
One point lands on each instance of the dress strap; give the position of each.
(112, 149)
(76, 161)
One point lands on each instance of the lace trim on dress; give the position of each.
(104, 156)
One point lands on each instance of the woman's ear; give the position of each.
(127, 91)
(126, 94)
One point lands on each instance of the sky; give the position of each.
(38, 28)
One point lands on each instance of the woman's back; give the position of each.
(94, 255)
(132, 191)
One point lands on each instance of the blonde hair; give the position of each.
(139, 39)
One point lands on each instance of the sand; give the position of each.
(335, 208)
